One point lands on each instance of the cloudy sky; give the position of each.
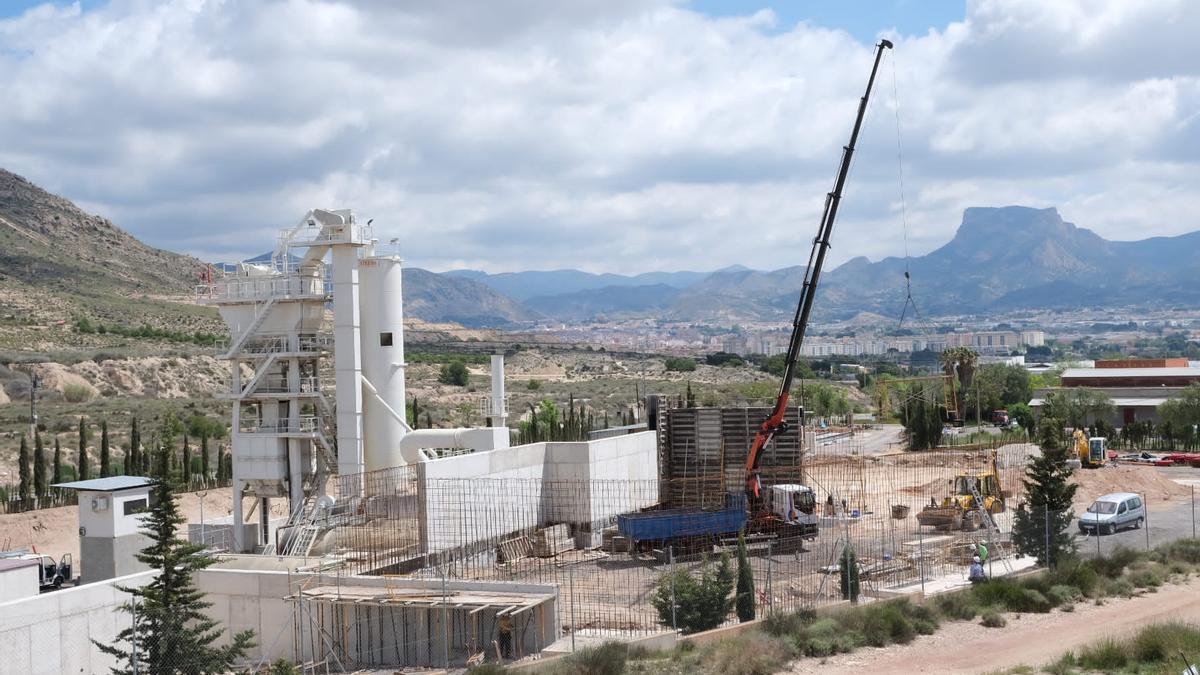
(606, 135)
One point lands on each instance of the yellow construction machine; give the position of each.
(1092, 452)
(959, 511)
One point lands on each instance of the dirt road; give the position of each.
(1034, 639)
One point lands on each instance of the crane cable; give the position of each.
(908, 299)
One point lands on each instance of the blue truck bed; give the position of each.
(686, 522)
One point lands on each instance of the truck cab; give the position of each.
(51, 575)
(793, 504)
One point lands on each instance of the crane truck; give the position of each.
(786, 511)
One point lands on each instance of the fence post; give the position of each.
(770, 569)
(671, 560)
(133, 651)
(446, 622)
(1146, 524)
(1193, 512)
(571, 584)
(921, 557)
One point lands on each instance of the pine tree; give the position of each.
(25, 487)
(744, 602)
(186, 469)
(58, 474)
(173, 633)
(84, 472)
(204, 458)
(1041, 526)
(105, 456)
(40, 486)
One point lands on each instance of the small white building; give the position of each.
(110, 520)
(18, 579)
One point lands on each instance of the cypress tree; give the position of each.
(428, 421)
(204, 458)
(745, 583)
(229, 466)
(144, 458)
(1046, 516)
(848, 575)
(84, 472)
(58, 475)
(41, 487)
(173, 633)
(186, 469)
(134, 464)
(25, 487)
(105, 456)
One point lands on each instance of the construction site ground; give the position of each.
(1031, 640)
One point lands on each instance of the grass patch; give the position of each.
(993, 619)
(1156, 648)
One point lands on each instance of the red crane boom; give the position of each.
(775, 424)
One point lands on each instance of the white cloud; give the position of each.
(609, 136)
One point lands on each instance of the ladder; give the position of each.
(303, 541)
(985, 518)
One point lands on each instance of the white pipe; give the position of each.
(421, 439)
(379, 399)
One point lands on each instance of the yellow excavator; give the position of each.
(1092, 452)
(959, 510)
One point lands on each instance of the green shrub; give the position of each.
(1114, 564)
(958, 606)
(1187, 550)
(533, 385)
(1120, 587)
(1106, 656)
(993, 619)
(700, 603)
(789, 624)
(77, 393)
(924, 619)
(680, 364)
(1081, 575)
(1163, 642)
(826, 637)
(284, 667)
(607, 659)
(750, 654)
(1145, 577)
(454, 373)
(1011, 596)
(886, 623)
(1061, 595)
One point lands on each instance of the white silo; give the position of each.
(382, 305)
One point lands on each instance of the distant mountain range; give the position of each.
(1000, 259)
(53, 254)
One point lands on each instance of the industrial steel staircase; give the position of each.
(237, 345)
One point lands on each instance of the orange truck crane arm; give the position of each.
(775, 424)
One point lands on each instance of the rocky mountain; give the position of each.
(1003, 258)
(441, 298)
(58, 262)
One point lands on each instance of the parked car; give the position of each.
(1113, 512)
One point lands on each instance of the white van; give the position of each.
(1113, 512)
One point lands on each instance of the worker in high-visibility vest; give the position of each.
(982, 552)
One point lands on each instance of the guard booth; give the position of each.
(110, 519)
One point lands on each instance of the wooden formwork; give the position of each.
(702, 452)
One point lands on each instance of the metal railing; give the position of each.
(307, 424)
(262, 287)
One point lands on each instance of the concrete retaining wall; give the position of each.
(483, 495)
(52, 633)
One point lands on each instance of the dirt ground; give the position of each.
(1033, 639)
(56, 531)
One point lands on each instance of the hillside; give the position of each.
(58, 263)
(439, 298)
